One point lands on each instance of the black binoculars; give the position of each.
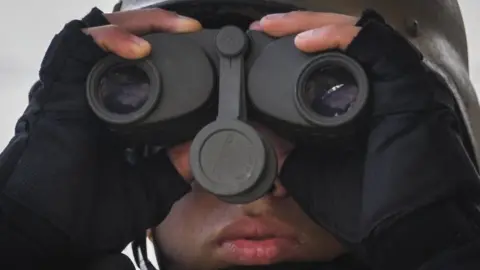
(201, 85)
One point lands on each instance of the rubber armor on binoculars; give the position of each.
(200, 86)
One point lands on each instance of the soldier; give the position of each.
(402, 195)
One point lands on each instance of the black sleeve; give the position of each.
(420, 185)
(54, 139)
(406, 199)
(68, 194)
(463, 258)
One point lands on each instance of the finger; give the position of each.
(327, 37)
(114, 39)
(298, 21)
(150, 20)
(256, 26)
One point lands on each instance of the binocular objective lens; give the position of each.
(124, 89)
(330, 91)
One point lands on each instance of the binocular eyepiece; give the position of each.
(200, 86)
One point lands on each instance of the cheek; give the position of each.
(318, 243)
(186, 234)
(282, 147)
(179, 156)
(178, 229)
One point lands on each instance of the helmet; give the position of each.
(435, 27)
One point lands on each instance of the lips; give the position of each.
(251, 241)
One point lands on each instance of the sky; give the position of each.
(27, 27)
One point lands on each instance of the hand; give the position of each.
(85, 199)
(120, 37)
(316, 31)
(387, 195)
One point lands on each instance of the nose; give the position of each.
(265, 204)
(277, 190)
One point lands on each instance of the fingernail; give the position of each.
(181, 17)
(186, 24)
(310, 33)
(256, 26)
(140, 42)
(274, 16)
(140, 48)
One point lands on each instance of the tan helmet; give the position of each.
(436, 27)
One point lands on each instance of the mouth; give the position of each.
(256, 242)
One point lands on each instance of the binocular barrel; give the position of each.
(207, 85)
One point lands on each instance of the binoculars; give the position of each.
(206, 87)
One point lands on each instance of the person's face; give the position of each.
(202, 232)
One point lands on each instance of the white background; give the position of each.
(27, 26)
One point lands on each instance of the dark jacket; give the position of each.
(53, 142)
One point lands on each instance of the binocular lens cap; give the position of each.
(230, 159)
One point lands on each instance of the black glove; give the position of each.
(66, 184)
(400, 197)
